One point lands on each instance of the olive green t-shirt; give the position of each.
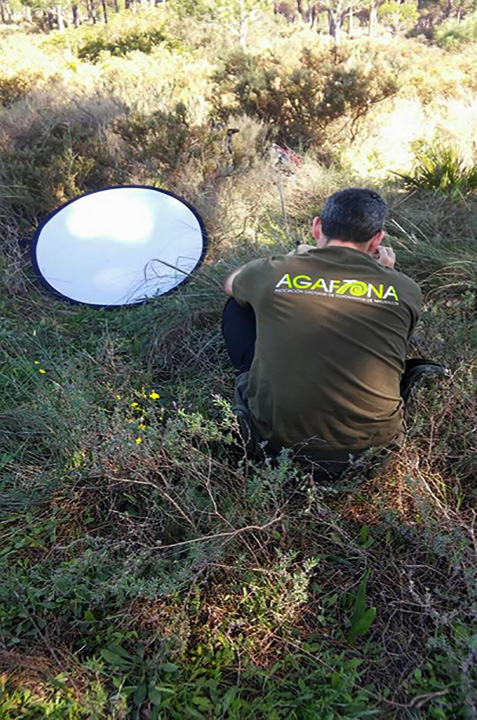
(333, 328)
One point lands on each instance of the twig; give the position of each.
(282, 200)
(43, 636)
(421, 700)
(221, 535)
(163, 492)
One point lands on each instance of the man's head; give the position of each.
(354, 216)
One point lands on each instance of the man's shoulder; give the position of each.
(263, 264)
(405, 281)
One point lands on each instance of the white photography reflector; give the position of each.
(119, 246)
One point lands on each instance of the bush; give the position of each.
(167, 141)
(442, 169)
(16, 87)
(302, 102)
(161, 136)
(50, 154)
(453, 34)
(100, 40)
(125, 33)
(399, 17)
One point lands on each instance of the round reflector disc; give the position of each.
(119, 246)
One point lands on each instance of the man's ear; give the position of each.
(375, 242)
(317, 232)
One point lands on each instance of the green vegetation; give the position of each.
(453, 34)
(149, 569)
(440, 168)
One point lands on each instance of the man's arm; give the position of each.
(385, 256)
(228, 282)
(302, 248)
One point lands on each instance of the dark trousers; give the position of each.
(239, 331)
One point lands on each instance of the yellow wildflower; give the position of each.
(135, 404)
(36, 362)
(154, 395)
(141, 426)
(138, 441)
(42, 371)
(118, 397)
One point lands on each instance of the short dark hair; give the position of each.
(353, 215)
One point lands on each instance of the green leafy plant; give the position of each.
(454, 33)
(399, 17)
(441, 169)
(362, 617)
(100, 41)
(16, 87)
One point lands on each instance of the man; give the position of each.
(319, 338)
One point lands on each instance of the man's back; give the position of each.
(332, 333)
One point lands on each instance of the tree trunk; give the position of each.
(243, 30)
(334, 24)
(5, 12)
(373, 16)
(105, 11)
(48, 21)
(351, 21)
(76, 20)
(300, 10)
(116, 6)
(312, 15)
(59, 15)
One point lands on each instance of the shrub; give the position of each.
(167, 141)
(162, 136)
(399, 17)
(99, 40)
(124, 33)
(15, 88)
(50, 153)
(302, 102)
(442, 169)
(453, 34)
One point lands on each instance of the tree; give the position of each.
(373, 16)
(47, 14)
(337, 11)
(236, 13)
(398, 16)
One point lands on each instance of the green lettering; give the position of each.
(320, 285)
(345, 287)
(301, 285)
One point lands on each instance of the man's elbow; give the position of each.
(227, 287)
